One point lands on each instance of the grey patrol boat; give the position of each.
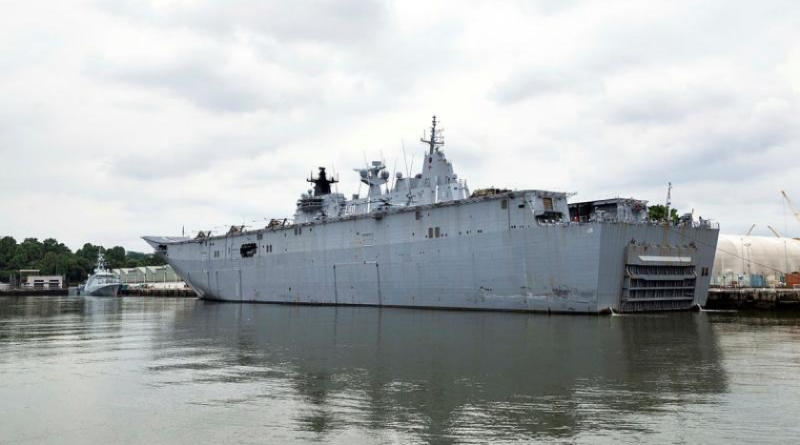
(427, 242)
(102, 283)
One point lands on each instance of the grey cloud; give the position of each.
(744, 148)
(318, 21)
(176, 162)
(662, 106)
(357, 40)
(531, 84)
(203, 81)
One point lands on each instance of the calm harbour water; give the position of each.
(181, 371)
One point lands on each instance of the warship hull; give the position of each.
(490, 253)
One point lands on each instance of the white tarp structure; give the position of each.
(743, 259)
(150, 276)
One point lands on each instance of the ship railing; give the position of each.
(713, 225)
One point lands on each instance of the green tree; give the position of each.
(32, 250)
(129, 263)
(84, 267)
(115, 257)
(138, 259)
(52, 245)
(155, 260)
(48, 265)
(18, 262)
(8, 248)
(658, 212)
(88, 252)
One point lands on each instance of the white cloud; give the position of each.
(131, 118)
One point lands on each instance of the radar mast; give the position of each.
(322, 184)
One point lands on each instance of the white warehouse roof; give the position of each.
(756, 255)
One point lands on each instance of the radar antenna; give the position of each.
(322, 184)
(436, 139)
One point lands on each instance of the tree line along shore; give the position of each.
(53, 258)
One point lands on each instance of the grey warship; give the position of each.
(427, 242)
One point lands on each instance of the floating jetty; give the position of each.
(753, 298)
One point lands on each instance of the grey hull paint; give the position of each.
(487, 257)
(110, 290)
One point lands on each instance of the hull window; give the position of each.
(248, 250)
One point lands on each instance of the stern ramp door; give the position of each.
(659, 279)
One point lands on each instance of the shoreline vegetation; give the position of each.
(54, 258)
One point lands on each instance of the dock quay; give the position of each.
(753, 298)
(33, 292)
(156, 292)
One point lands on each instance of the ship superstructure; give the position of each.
(437, 183)
(425, 241)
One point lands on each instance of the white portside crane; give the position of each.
(791, 205)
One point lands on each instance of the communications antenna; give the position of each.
(669, 201)
(436, 140)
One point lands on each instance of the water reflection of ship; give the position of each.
(436, 374)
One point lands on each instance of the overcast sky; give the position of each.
(125, 118)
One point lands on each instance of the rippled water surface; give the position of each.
(182, 371)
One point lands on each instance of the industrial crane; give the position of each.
(791, 205)
(751, 230)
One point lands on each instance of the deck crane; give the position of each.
(751, 230)
(791, 205)
(774, 232)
